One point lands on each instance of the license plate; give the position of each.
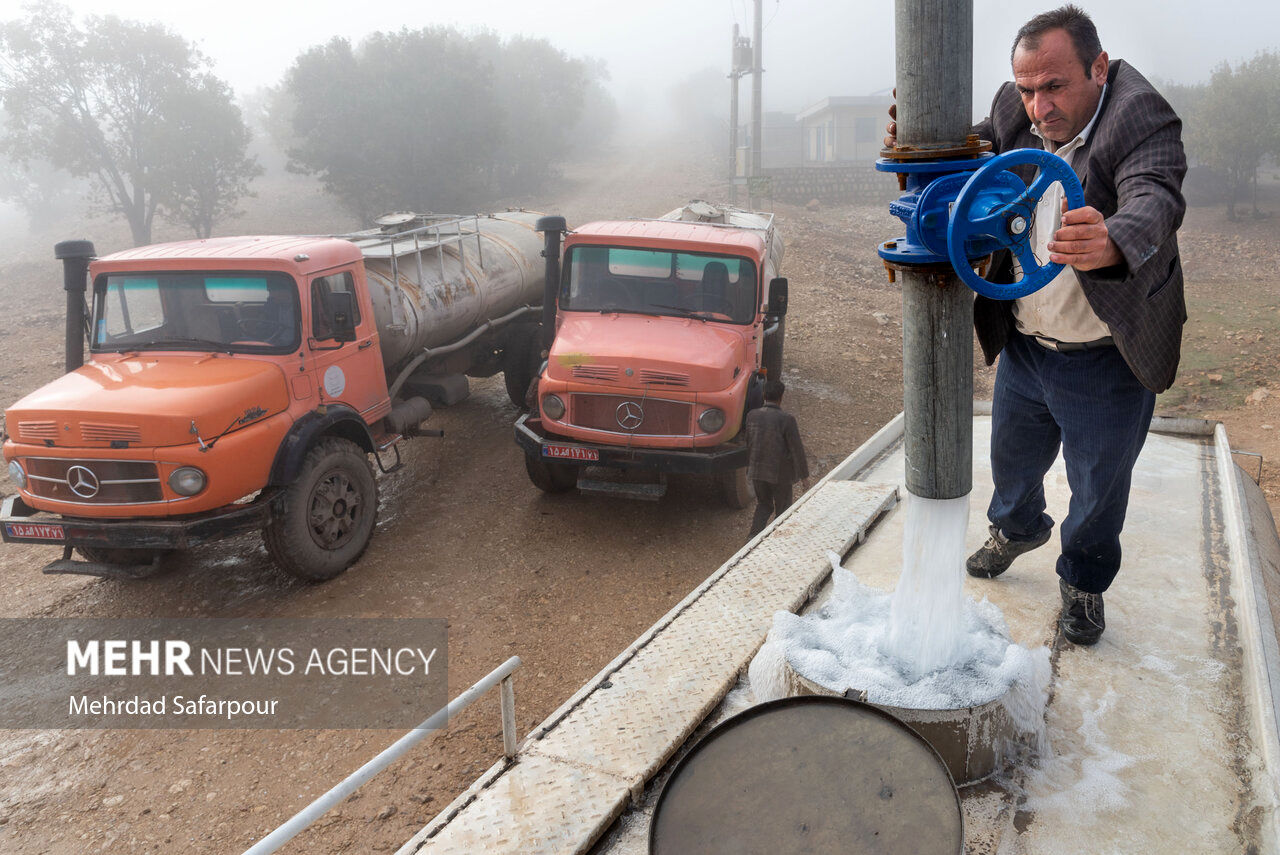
(36, 531)
(570, 452)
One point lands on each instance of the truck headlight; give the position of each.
(16, 475)
(186, 480)
(553, 407)
(711, 420)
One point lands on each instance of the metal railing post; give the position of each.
(507, 696)
(318, 808)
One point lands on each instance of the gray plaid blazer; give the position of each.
(775, 452)
(1131, 168)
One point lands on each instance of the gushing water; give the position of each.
(926, 646)
(926, 620)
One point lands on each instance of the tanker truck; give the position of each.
(663, 331)
(243, 383)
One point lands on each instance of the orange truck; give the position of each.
(663, 331)
(244, 383)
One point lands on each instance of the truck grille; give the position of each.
(656, 417)
(37, 431)
(101, 432)
(595, 372)
(664, 378)
(94, 482)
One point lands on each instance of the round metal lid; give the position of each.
(809, 774)
(396, 218)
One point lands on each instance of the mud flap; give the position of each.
(69, 566)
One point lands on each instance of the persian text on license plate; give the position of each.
(37, 531)
(570, 452)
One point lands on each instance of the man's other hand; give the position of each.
(891, 129)
(1082, 242)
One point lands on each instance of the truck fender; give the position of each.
(336, 420)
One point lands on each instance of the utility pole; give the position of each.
(735, 72)
(757, 67)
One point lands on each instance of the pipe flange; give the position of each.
(971, 147)
(925, 268)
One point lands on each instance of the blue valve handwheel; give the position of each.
(981, 220)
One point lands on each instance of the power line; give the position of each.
(776, 7)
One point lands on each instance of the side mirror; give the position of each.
(340, 312)
(778, 297)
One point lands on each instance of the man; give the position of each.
(776, 456)
(1082, 359)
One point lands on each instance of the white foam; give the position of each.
(767, 673)
(1086, 782)
(842, 646)
(926, 646)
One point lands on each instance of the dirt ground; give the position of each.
(564, 582)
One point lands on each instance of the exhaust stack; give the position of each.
(75, 256)
(552, 228)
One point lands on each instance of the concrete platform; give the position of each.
(1164, 735)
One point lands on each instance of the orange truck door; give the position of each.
(351, 374)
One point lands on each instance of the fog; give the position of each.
(812, 48)
(668, 59)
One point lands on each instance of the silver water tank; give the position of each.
(435, 279)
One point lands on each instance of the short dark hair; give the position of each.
(1073, 19)
(773, 390)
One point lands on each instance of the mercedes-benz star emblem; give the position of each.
(82, 482)
(629, 415)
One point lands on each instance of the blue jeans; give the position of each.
(1089, 403)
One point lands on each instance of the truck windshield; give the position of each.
(244, 312)
(683, 284)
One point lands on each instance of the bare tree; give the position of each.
(108, 102)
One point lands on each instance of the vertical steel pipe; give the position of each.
(937, 383)
(934, 40)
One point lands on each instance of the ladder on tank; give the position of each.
(418, 240)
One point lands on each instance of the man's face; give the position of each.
(1059, 95)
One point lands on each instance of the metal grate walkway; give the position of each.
(581, 767)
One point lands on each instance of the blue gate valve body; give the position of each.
(961, 211)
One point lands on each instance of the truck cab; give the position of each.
(243, 382)
(216, 368)
(663, 331)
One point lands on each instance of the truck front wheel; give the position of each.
(324, 518)
(520, 360)
(550, 477)
(735, 489)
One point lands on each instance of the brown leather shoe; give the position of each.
(998, 553)
(1082, 619)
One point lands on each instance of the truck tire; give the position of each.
(550, 477)
(735, 489)
(324, 519)
(126, 557)
(520, 360)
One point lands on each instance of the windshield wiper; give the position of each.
(177, 342)
(696, 314)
